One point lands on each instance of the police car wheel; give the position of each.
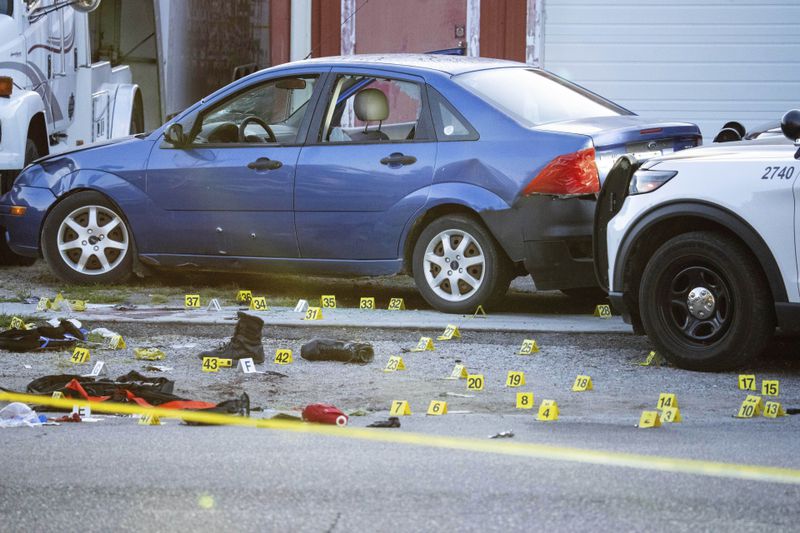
(705, 303)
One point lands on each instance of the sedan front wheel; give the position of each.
(458, 265)
(86, 240)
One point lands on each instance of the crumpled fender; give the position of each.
(493, 210)
(136, 206)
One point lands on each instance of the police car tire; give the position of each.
(752, 319)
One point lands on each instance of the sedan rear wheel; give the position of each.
(86, 240)
(458, 265)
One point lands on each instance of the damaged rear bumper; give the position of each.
(551, 236)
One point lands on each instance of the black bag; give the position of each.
(65, 335)
(333, 350)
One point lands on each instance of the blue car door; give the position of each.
(366, 167)
(228, 190)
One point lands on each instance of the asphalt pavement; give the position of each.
(118, 474)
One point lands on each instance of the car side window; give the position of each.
(270, 112)
(449, 124)
(372, 109)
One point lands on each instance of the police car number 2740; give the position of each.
(782, 173)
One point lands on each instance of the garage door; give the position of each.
(705, 61)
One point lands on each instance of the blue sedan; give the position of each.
(461, 172)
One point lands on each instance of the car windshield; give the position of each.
(534, 97)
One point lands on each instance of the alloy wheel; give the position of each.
(454, 265)
(92, 240)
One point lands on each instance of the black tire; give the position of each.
(7, 257)
(119, 262)
(495, 272)
(726, 335)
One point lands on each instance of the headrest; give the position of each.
(371, 105)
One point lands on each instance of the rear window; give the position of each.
(534, 97)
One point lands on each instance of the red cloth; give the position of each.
(175, 404)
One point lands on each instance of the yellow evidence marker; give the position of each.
(751, 406)
(747, 382)
(328, 301)
(650, 419)
(653, 358)
(524, 400)
(397, 304)
(225, 363)
(450, 332)
(55, 305)
(459, 372)
(671, 414)
(479, 312)
(191, 301)
(78, 305)
(548, 410)
(244, 297)
(283, 356)
(116, 342)
(770, 387)
(395, 363)
(259, 303)
(515, 379)
(666, 400)
(602, 311)
(211, 364)
(424, 344)
(80, 356)
(528, 347)
(400, 408)
(149, 420)
(475, 382)
(43, 304)
(367, 303)
(437, 408)
(313, 313)
(17, 323)
(582, 384)
(773, 410)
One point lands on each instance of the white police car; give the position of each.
(700, 249)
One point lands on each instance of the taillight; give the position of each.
(569, 174)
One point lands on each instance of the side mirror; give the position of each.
(790, 125)
(85, 6)
(174, 135)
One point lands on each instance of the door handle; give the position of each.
(264, 163)
(397, 159)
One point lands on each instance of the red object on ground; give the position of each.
(324, 414)
(75, 385)
(74, 417)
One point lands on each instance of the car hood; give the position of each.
(90, 147)
(619, 130)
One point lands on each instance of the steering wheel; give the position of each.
(252, 118)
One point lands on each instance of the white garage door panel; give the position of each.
(707, 61)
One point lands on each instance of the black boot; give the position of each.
(246, 341)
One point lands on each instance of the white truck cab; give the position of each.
(52, 97)
(699, 249)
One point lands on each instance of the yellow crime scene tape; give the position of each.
(520, 449)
